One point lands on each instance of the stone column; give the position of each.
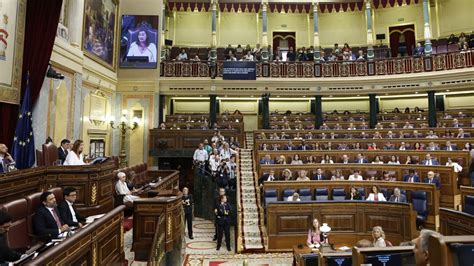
(370, 36)
(427, 31)
(318, 110)
(373, 110)
(164, 50)
(266, 111)
(317, 51)
(265, 51)
(75, 10)
(213, 56)
(432, 109)
(212, 110)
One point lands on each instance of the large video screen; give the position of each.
(139, 42)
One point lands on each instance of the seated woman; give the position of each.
(327, 159)
(353, 194)
(375, 195)
(281, 160)
(394, 160)
(337, 175)
(310, 160)
(286, 175)
(315, 236)
(75, 156)
(379, 237)
(122, 189)
(387, 177)
(377, 160)
(294, 197)
(296, 160)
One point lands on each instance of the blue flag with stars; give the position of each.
(23, 149)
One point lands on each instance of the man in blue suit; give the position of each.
(431, 179)
(319, 175)
(429, 161)
(267, 160)
(411, 177)
(46, 221)
(360, 159)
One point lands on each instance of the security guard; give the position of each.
(217, 202)
(188, 210)
(223, 222)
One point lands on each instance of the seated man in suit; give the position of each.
(304, 146)
(319, 175)
(429, 161)
(67, 211)
(267, 177)
(360, 159)
(289, 146)
(6, 160)
(397, 196)
(63, 150)
(46, 221)
(450, 147)
(267, 160)
(6, 254)
(411, 177)
(431, 179)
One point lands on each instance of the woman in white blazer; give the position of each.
(375, 195)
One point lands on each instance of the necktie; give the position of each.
(319, 177)
(429, 181)
(410, 179)
(396, 199)
(56, 218)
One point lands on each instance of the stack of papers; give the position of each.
(90, 219)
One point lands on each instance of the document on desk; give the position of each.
(92, 218)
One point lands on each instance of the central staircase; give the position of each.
(251, 228)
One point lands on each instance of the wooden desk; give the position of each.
(94, 184)
(455, 222)
(440, 252)
(100, 243)
(323, 254)
(288, 222)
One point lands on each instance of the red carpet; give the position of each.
(127, 224)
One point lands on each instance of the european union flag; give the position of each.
(23, 149)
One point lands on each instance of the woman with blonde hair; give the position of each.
(379, 237)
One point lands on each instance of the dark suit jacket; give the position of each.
(435, 181)
(62, 155)
(1, 168)
(402, 198)
(433, 162)
(415, 178)
(307, 147)
(44, 223)
(187, 208)
(66, 215)
(315, 177)
(6, 254)
(356, 197)
(364, 161)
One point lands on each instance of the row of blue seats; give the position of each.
(418, 198)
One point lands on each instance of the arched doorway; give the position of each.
(402, 40)
(284, 40)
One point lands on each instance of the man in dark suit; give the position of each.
(360, 159)
(289, 146)
(46, 221)
(304, 146)
(188, 210)
(450, 147)
(431, 179)
(411, 177)
(6, 254)
(319, 175)
(267, 177)
(63, 150)
(397, 196)
(267, 160)
(429, 161)
(217, 201)
(67, 211)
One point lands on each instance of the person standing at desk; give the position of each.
(223, 222)
(75, 156)
(46, 221)
(188, 211)
(67, 211)
(6, 254)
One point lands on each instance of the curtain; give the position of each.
(42, 19)
(408, 32)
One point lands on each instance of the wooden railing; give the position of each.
(389, 66)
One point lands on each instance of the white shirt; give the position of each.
(290, 198)
(226, 153)
(379, 195)
(122, 189)
(214, 164)
(456, 166)
(200, 155)
(73, 159)
(353, 178)
(149, 51)
(73, 213)
(380, 243)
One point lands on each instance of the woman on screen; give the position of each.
(143, 46)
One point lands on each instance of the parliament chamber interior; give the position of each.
(237, 132)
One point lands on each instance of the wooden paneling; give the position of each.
(100, 243)
(288, 222)
(455, 222)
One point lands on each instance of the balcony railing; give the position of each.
(380, 67)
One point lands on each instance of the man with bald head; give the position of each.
(432, 179)
(6, 159)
